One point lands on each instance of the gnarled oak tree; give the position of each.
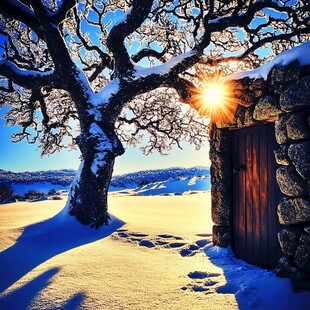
(120, 69)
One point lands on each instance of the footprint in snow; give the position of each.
(122, 235)
(147, 243)
(195, 248)
(202, 275)
(176, 244)
(202, 281)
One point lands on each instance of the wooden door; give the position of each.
(255, 196)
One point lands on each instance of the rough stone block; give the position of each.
(220, 169)
(296, 96)
(267, 108)
(259, 93)
(277, 75)
(220, 140)
(225, 123)
(244, 117)
(299, 154)
(302, 256)
(288, 238)
(242, 84)
(297, 277)
(245, 100)
(221, 200)
(221, 191)
(294, 211)
(281, 155)
(221, 236)
(290, 182)
(257, 84)
(280, 129)
(281, 76)
(298, 126)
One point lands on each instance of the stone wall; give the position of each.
(283, 98)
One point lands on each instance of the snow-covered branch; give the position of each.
(131, 20)
(26, 78)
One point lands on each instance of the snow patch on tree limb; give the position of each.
(23, 72)
(106, 93)
(99, 100)
(162, 69)
(99, 161)
(83, 81)
(123, 18)
(103, 146)
(74, 185)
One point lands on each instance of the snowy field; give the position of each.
(156, 254)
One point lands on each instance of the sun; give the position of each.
(214, 95)
(214, 99)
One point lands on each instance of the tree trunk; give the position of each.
(88, 197)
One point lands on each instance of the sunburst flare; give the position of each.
(215, 99)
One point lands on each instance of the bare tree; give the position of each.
(119, 70)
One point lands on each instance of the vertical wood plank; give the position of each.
(242, 193)
(256, 222)
(236, 193)
(264, 195)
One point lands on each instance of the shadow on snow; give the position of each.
(255, 287)
(23, 297)
(40, 242)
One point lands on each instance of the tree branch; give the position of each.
(132, 19)
(26, 78)
(148, 52)
(17, 10)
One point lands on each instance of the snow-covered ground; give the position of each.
(173, 186)
(156, 254)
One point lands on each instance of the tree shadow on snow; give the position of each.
(40, 242)
(23, 297)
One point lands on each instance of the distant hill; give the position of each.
(58, 177)
(144, 177)
(61, 179)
